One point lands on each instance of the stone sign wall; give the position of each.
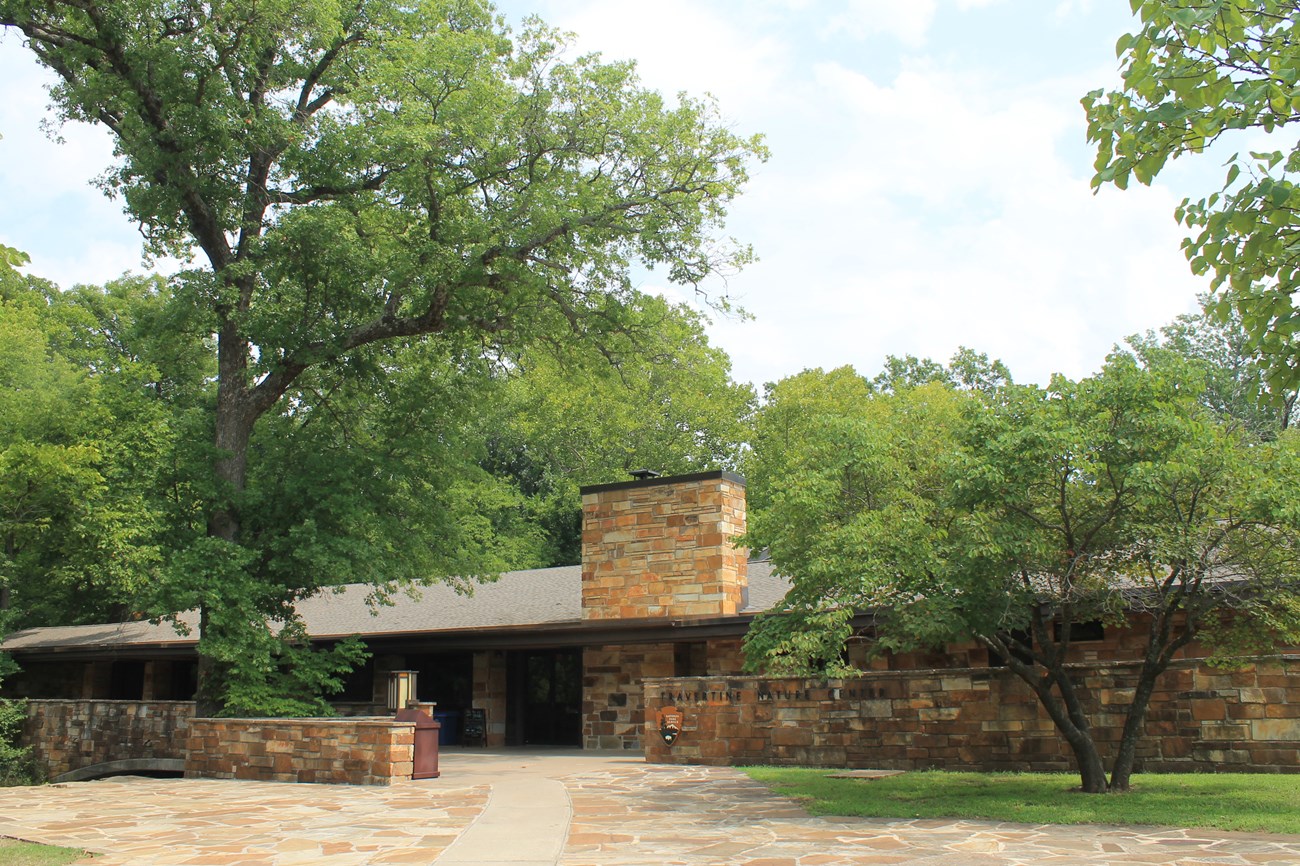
(354, 751)
(1201, 719)
(613, 712)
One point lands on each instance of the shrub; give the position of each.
(18, 766)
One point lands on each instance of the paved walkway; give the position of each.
(559, 809)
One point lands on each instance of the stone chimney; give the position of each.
(662, 547)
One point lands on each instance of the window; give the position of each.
(691, 659)
(1084, 631)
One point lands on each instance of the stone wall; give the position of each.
(613, 714)
(354, 751)
(490, 693)
(663, 547)
(1201, 719)
(67, 736)
(613, 707)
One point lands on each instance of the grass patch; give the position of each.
(16, 853)
(1223, 801)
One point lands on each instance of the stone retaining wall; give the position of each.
(355, 751)
(66, 736)
(1201, 719)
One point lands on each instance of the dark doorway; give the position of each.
(446, 678)
(181, 683)
(544, 697)
(126, 681)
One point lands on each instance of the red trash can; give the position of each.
(426, 741)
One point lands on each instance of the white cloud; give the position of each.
(908, 22)
(1067, 8)
(943, 214)
(681, 45)
(49, 208)
(939, 206)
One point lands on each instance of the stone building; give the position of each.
(653, 619)
(555, 656)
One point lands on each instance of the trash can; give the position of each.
(426, 742)
(449, 735)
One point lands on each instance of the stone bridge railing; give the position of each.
(85, 739)
(77, 740)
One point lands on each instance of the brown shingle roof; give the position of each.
(518, 599)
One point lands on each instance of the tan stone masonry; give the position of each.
(1200, 719)
(663, 548)
(355, 751)
(66, 736)
(613, 710)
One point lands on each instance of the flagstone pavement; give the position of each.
(563, 809)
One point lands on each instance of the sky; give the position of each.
(928, 186)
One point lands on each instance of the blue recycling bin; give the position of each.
(449, 735)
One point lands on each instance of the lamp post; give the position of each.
(401, 689)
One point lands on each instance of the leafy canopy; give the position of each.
(571, 414)
(1196, 73)
(383, 200)
(1007, 516)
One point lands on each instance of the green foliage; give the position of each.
(90, 437)
(10, 260)
(791, 416)
(955, 514)
(17, 764)
(967, 371)
(845, 506)
(1236, 386)
(801, 642)
(566, 415)
(997, 516)
(388, 199)
(289, 677)
(1250, 803)
(1193, 74)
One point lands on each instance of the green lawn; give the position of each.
(1263, 803)
(15, 853)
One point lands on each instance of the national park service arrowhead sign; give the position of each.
(670, 724)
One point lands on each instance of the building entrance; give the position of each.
(544, 697)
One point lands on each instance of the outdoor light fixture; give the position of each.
(401, 689)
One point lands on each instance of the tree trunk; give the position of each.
(1067, 714)
(207, 700)
(1162, 644)
(234, 425)
(1092, 771)
(1074, 727)
(233, 429)
(1122, 769)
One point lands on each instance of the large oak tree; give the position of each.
(367, 174)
